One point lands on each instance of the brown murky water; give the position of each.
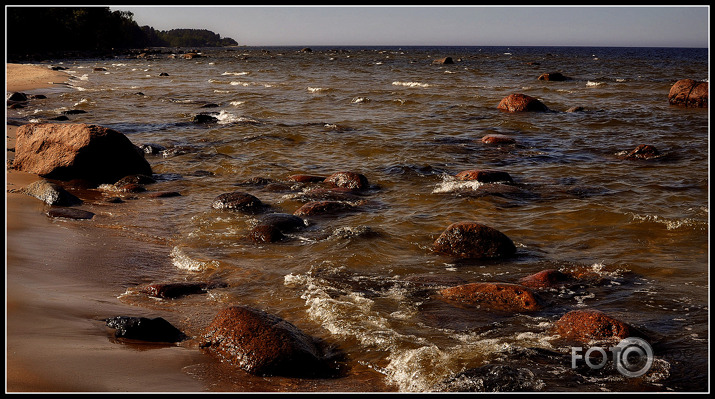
(409, 126)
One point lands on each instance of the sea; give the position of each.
(366, 281)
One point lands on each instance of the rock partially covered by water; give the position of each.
(521, 103)
(548, 278)
(145, 329)
(497, 139)
(179, 289)
(69, 213)
(474, 240)
(51, 193)
(351, 180)
(77, 151)
(689, 93)
(493, 378)
(644, 151)
(316, 208)
(494, 296)
(239, 201)
(263, 344)
(553, 76)
(443, 61)
(485, 176)
(301, 178)
(590, 324)
(272, 227)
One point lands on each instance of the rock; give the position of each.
(179, 289)
(164, 194)
(689, 93)
(315, 208)
(266, 233)
(473, 240)
(554, 77)
(333, 194)
(493, 378)
(484, 176)
(17, 96)
(521, 103)
(576, 108)
(305, 179)
(263, 344)
(74, 112)
(494, 296)
(589, 324)
(306, 50)
(443, 61)
(70, 151)
(135, 179)
(239, 201)
(51, 193)
(152, 149)
(284, 222)
(163, 74)
(546, 279)
(100, 69)
(145, 329)
(70, 213)
(129, 188)
(643, 151)
(204, 118)
(497, 139)
(351, 180)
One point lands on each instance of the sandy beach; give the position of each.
(58, 286)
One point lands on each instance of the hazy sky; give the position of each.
(651, 26)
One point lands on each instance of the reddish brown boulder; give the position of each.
(545, 279)
(689, 93)
(315, 208)
(494, 296)
(237, 200)
(473, 240)
(266, 233)
(586, 325)
(521, 103)
(484, 176)
(305, 178)
(643, 151)
(263, 344)
(497, 139)
(77, 151)
(351, 180)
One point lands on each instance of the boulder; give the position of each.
(179, 289)
(474, 240)
(239, 201)
(51, 193)
(145, 329)
(351, 180)
(263, 344)
(70, 213)
(589, 324)
(689, 93)
(521, 103)
(443, 61)
(77, 151)
(549, 278)
(17, 96)
(305, 178)
(484, 176)
(494, 296)
(266, 233)
(284, 222)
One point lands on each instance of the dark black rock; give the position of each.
(145, 329)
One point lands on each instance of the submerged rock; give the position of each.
(643, 151)
(497, 139)
(484, 176)
(69, 213)
(443, 61)
(179, 289)
(317, 208)
(473, 240)
(546, 279)
(493, 378)
(263, 344)
(521, 103)
(351, 180)
(145, 329)
(495, 296)
(553, 76)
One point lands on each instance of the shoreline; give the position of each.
(57, 292)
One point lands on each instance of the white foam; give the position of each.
(183, 261)
(410, 84)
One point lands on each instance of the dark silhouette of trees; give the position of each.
(51, 31)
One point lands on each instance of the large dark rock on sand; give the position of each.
(77, 151)
(589, 324)
(263, 344)
(689, 93)
(494, 296)
(474, 240)
(145, 329)
(239, 201)
(51, 193)
(351, 180)
(485, 176)
(69, 213)
(521, 103)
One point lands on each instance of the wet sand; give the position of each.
(61, 279)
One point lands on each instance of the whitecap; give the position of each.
(183, 261)
(235, 73)
(410, 84)
(316, 89)
(357, 100)
(452, 186)
(594, 84)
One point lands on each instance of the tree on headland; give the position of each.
(47, 31)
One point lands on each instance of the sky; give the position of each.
(626, 26)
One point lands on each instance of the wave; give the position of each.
(410, 84)
(184, 262)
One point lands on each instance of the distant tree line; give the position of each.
(51, 31)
